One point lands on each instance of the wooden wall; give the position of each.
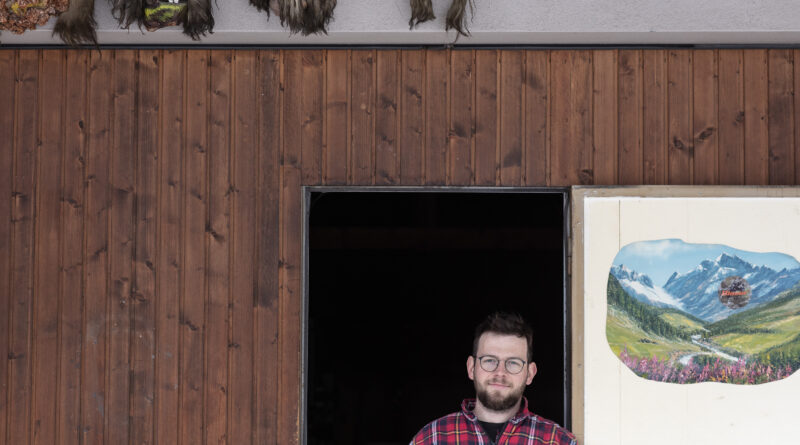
(150, 224)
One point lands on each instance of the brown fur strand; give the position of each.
(421, 11)
(77, 25)
(457, 16)
(197, 19)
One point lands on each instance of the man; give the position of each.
(501, 367)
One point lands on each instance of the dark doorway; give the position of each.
(397, 282)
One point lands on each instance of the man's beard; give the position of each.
(496, 402)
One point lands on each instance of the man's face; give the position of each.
(500, 390)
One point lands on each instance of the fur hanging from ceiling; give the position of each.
(422, 11)
(303, 16)
(77, 25)
(194, 15)
(19, 16)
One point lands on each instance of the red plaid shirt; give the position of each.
(525, 428)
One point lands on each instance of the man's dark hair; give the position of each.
(505, 323)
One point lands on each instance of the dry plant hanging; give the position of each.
(303, 16)
(194, 15)
(422, 11)
(19, 16)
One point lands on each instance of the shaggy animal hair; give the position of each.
(77, 25)
(197, 19)
(128, 12)
(306, 16)
(457, 16)
(421, 11)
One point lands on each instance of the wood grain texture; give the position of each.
(218, 233)
(412, 118)
(8, 74)
(609, 87)
(731, 117)
(337, 112)
(756, 117)
(437, 79)
(486, 115)
(537, 116)
(387, 78)
(512, 117)
(462, 113)
(143, 323)
(654, 117)
(313, 99)
(629, 114)
(679, 117)
(571, 140)
(46, 286)
(781, 116)
(705, 126)
(362, 112)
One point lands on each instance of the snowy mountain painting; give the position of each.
(691, 313)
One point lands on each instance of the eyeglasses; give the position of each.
(489, 363)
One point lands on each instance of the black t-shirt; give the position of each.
(492, 429)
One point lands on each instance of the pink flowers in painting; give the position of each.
(723, 371)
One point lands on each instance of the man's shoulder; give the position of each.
(442, 426)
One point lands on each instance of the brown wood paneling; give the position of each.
(462, 113)
(313, 99)
(192, 305)
(72, 234)
(170, 243)
(571, 128)
(437, 79)
(267, 305)
(243, 239)
(387, 75)
(337, 112)
(46, 286)
(362, 112)
(143, 323)
(654, 117)
(781, 116)
(731, 117)
(219, 259)
(122, 185)
(512, 116)
(704, 117)
(537, 116)
(486, 115)
(629, 113)
(605, 95)
(95, 338)
(412, 118)
(756, 115)
(8, 71)
(679, 94)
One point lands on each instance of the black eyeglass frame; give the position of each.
(505, 363)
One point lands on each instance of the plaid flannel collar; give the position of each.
(468, 409)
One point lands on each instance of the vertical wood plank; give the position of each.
(122, 187)
(8, 71)
(731, 117)
(245, 132)
(781, 117)
(486, 112)
(572, 118)
(267, 310)
(72, 234)
(654, 117)
(561, 75)
(290, 276)
(679, 155)
(631, 161)
(218, 235)
(337, 136)
(362, 110)
(93, 388)
(437, 78)
(412, 117)
(537, 83)
(462, 113)
(387, 78)
(608, 68)
(145, 256)
(705, 116)
(313, 96)
(192, 313)
(756, 115)
(48, 215)
(796, 125)
(170, 237)
(512, 112)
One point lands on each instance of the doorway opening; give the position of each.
(396, 282)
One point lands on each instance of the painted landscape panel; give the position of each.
(692, 313)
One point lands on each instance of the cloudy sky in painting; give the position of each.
(660, 258)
